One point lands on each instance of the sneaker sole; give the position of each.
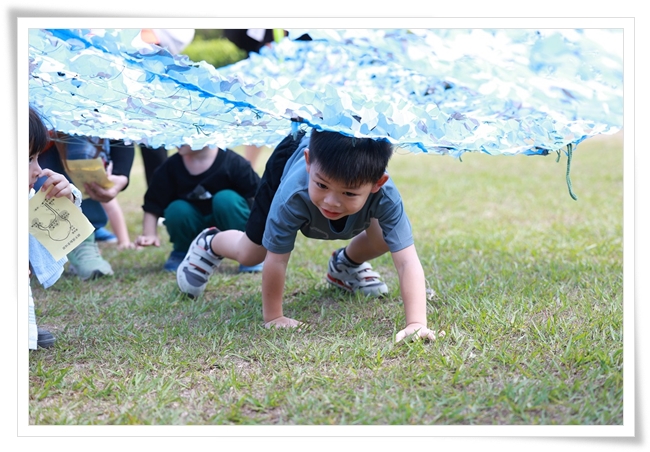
(46, 343)
(380, 290)
(338, 283)
(94, 275)
(183, 284)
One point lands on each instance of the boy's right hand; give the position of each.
(147, 240)
(415, 331)
(283, 322)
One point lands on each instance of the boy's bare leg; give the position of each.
(368, 245)
(236, 245)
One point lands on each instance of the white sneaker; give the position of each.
(198, 265)
(350, 278)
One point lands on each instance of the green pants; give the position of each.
(184, 221)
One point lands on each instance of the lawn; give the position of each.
(527, 297)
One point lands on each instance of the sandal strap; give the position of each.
(366, 272)
(202, 260)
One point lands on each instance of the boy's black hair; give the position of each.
(39, 136)
(349, 160)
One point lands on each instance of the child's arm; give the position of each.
(413, 290)
(273, 277)
(149, 231)
(118, 224)
(60, 185)
(101, 194)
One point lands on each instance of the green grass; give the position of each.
(528, 291)
(218, 51)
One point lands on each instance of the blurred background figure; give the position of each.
(194, 190)
(174, 40)
(249, 39)
(252, 40)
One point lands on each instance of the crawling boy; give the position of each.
(328, 186)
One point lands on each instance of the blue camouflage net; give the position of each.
(446, 91)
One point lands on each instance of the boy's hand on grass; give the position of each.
(283, 322)
(415, 331)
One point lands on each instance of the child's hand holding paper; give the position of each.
(57, 224)
(87, 171)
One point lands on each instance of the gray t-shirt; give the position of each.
(292, 211)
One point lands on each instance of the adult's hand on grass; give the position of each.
(415, 331)
(282, 322)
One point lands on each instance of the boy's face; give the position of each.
(34, 170)
(186, 149)
(333, 199)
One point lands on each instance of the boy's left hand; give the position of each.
(416, 331)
